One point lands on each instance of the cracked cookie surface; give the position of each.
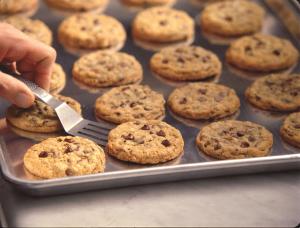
(163, 25)
(104, 69)
(40, 117)
(145, 142)
(77, 5)
(232, 139)
(232, 18)
(127, 103)
(202, 101)
(64, 157)
(290, 129)
(33, 28)
(275, 92)
(262, 53)
(58, 79)
(186, 63)
(91, 32)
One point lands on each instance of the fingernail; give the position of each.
(23, 100)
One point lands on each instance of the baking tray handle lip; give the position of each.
(31, 184)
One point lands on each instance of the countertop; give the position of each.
(270, 200)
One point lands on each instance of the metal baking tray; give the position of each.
(193, 164)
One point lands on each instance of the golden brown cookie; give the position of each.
(128, 103)
(163, 25)
(58, 79)
(91, 32)
(64, 157)
(186, 63)
(40, 117)
(104, 69)
(290, 129)
(33, 28)
(232, 139)
(18, 7)
(275, 92)
(262, 53)
(78, 5)
(145, 142)
(232, 18)
(202, 101)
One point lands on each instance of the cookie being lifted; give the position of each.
(232, 139)
(232, 18)
(203, 101)
(128, 103)
(262, 53)
(145, 142)
(290, 130)
(104, 69)
(275, 92)
(64, 157)
(58, 79)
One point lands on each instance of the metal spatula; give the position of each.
(71, 121)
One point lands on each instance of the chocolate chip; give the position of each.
(294, 93)
(202, 91)
(118, 113)
(69, 140)
(217, 146)
(196, 55)
(43, 154)
(165, 61)
(228, 18)
(68, 149)
(205, 59)
(180, 60)
(245, 144)
(145, 128)
(251, 138)
(183, 101)
(96, 22)
(163, 23)
(147, 109)
(83, 28)
(133, 104)
(161, 133)
(277, 52)
(59, 140)
(69, 172)
(297, 126)
(125, 88)
(128, 137)
(166, 143)
(240, 134)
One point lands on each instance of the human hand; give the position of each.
(32, 59)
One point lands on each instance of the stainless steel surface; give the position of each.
(193, 164)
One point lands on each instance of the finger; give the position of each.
(15, 91)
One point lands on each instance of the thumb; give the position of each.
(15, 91)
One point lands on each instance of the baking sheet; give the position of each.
(193, 163)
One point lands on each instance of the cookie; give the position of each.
(290, 130)
(147, 3)
(163, 25)
(232, 18)
(145, 142)
(262, 53)
(33, 28)
(18, 7)
(78, 6)
(40, 117)
(58, 79)
(202, 101)
(186, 63)
(64, 157)
(104, 69)
(91, 32)
(234, 139)
(128, 103)
(275, 92)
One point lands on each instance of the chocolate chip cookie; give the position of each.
(186, 63)
(203, 101)
(232, 139)
(78, 5)
(148, 3)
(91, 32)
(22, 7)
(58, 79)
(127, 103)
(33, 28)
(262, 53)
(104, 69)
(39, 118)
(232, 18)
(145, 142)
(290, 130)
(163, 25)
(275, 92)
(64, 157)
